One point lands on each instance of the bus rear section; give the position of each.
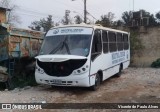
(110, 54)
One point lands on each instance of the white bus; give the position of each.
(82, 55)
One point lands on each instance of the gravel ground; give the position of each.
(136, 85)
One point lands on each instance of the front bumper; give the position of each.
(72, 80)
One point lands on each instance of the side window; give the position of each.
(126, 42)
(120, 41)
(105, 41)
(96, 44)
(112, 41)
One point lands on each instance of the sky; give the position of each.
(31, 10)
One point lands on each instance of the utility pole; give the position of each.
(85, 11)
(133, 5)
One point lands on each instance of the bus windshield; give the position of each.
(67, 45)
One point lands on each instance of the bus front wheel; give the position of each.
(97, 83)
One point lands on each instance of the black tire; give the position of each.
(97, 83)
(120, 71)
(52, 86)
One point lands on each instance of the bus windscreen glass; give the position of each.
(66, 44)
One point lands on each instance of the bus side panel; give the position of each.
(100, 63)
(110, 72)
(104, 62)
(96, 65)
(127, 59)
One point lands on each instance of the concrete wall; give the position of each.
(150, 38)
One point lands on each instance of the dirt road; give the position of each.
(136, 85)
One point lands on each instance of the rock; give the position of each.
(15, 90)
(158, 97)
(151, 83)
(27, 87)
(73, 96)
(133, 101)
(130, 98)
(3, 69)
(33, 99)
(99, 95)
(43, 101)
(6, 90)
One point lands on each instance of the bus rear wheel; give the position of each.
(120, 71)
(97, 83)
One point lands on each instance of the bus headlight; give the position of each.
(41, 71)
(81, 70)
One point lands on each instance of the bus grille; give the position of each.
(61, 69)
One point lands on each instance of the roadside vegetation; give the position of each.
(156, 64)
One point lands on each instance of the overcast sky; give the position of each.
(30, 10)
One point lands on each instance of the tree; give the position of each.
(118, 23)
(4, 3)
(127, 17)
(46, 24)
(106, 20)
(66, 20)
(158, 16)
(12, 16)
(78, 19)
(152, 20)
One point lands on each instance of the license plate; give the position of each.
(57, 81)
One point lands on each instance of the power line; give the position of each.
(36, 12)
(33, 15)
(92, 16)
(25, 11)
(69, 5)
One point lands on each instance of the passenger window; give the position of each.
(112, 42)
(120, 41)
(104, 36)
(97, 44)
(105, 41)
(126, 42)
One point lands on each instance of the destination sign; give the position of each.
(70, 30)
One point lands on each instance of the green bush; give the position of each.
(22, 82)
(156, 64)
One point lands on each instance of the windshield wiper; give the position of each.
(67, 48)
(60, 46)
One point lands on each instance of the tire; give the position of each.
(53, 87)
(97, 83)
(120, 71)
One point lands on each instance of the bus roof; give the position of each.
(91, 26)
